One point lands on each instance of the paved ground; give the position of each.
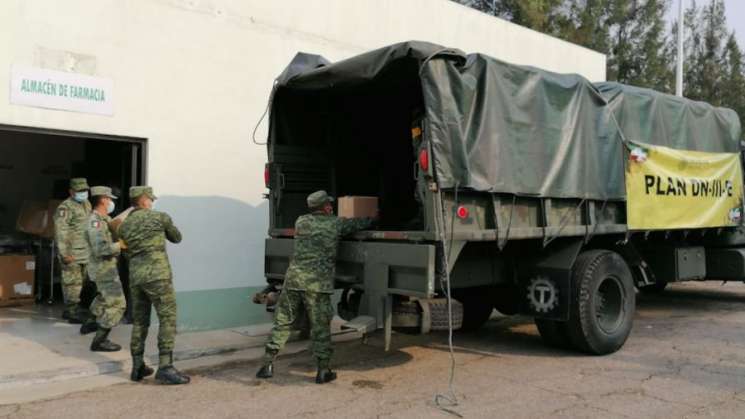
(38, 347)
(685, 358)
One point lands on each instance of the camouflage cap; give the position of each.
(318, 199)
(102, 191)
(137, 191)
(79, 184)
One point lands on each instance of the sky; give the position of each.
(735, 15)
(736, 19)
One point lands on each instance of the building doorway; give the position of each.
(35, 167)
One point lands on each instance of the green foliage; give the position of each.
(640, 51)
(733, 79)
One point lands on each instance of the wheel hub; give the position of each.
(609, 306)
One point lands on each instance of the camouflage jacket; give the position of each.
(102, 264)
(70, 222)
(145, 232)
(316, 242)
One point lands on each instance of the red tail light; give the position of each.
(424, 160)
(266, 176)
(462, 212)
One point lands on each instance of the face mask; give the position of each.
(110, 207)
(152, 206)
(81, 196)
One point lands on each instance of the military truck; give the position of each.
(504, 187)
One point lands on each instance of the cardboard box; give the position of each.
(37, 218)
(32, 218)
(17, 279)
(358, 207)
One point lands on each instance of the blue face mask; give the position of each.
(81, 196)
(110, 206)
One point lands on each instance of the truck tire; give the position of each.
(656, 288)
(554, 333)
(601, 310)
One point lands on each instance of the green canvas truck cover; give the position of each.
(652, 117)
(499, 127)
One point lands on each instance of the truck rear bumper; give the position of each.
(399, 268)
(378, 269)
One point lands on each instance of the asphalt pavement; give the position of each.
(684, 359)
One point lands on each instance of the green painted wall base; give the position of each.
(219, 309)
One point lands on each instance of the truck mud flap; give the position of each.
(545, 279)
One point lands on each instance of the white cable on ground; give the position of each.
(446, 402)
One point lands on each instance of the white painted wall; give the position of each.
(193, 76)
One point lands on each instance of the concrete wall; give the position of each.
(193, 76)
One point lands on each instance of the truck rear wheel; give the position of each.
(554, 333)
(603, 302)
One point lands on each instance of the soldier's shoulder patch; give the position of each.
(95, 224)
(61, 212)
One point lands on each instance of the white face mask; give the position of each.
(110, 207)
(81, 196)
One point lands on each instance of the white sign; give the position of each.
(60, 90)
(23, 288)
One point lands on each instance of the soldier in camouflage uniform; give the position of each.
(109, 304)
(309, 283)
(70, 221)
(151, 283)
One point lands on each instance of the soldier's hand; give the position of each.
(68, 259)
(122, 244)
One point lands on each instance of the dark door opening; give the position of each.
(35, 168)
(349, 140)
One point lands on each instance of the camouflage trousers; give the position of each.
(109, 304)
(73, 276)
(320, 312)
(160, 294)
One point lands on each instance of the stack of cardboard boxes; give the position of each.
(17, 271)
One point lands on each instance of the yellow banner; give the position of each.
(678, 189)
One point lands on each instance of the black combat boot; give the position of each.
(325, 375)
(140, 370)
(168, 374)
(89, 326)
(101, 343)
(266, 371)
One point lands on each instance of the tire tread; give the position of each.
(580, 326)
